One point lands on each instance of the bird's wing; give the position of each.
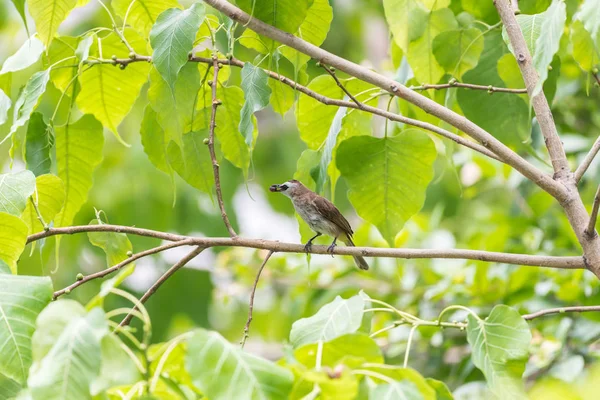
(329, 211)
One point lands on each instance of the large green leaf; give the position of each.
(172, 38)
(28, 99)
(28, 54)
(286, 15)
(107, 92)
(71, 365)
(504, 115)
(352, 350)
(337, 318)
(256, 97)
(78, 153)
(500, 347)
(458, 51)
(115, 245)
(50, 199)
(38, 144)
(15, 189)
(585, 52)
(589, 14)
(5, 104)
(407, 20)
(13, 236)
(154, 140)
(193, 164)
(388, 177)
(22, 298)
(48, 15)
(142, 14)
(223, 371)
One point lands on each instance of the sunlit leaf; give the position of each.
(13, 235)
(406, 19)
(142, 14)
(20, 6)
(61, 48)
(256, 97)
(458, 51)
(28, 99)
(193, 164)
(352, 350)
(441, 390)
(5, 104)
(172, 38)
(388, 177)
(38, 145)
(399, 374)
(22, 298)
(221, 370)
(78, 153)
(397, 390)
(28, 54)
(589, 15)
(15, 189)
(50, 199)
(500, 347)
(584, 51)
(48, 15)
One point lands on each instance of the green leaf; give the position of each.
(388, 177)
(48, 15)
(481, 10)
(584, 51)
(436, 4)
(343, 387)
(172, 38)
(68, 370)
(22, 298)
(142, 14)
(500, 348)
(115, 245)
(330, 144)
(13, 236)
(458, 51)
(193, 164)
(396, 391)
(352, 350)
(408, 375)
(504, 115)
(20, 6)
(256, 97)
(221, 370)
(337, 318)
(78, 153)
(407, 20)
(286, 15)
(589, 14)
(28, 54)
(117, 369)
(52, 322)
(154, 141)
(15, 189)
(107, 92)
(50, 200)
(5, 104)
(61, 48)
(28, 99)
(441, 390)
(420, 52)
(282, 96)
(313, 29)
(38, 144)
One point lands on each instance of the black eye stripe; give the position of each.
(284, 187)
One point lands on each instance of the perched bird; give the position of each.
(320, 214)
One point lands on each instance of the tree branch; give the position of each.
(490, 88)
(252, 293)
(485, 138)
(587, 161)
(162, 280)
(591, 228)
(211, 146)
(560, 310)
(573, 262)
(337, 81)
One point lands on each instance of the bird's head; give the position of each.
(289, 188)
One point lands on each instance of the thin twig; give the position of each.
(595, 75)
(162, 280)
(490, 88)
(108, 271)
(587, 161)
(211, 146)
(591, 228)
(331, 72)
(574, 262)
(251, 304)
(560, 310)
(37, 211)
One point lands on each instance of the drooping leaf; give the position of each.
(330, 143)
(388, 177)
(221, 370)
(404, 390)
(13, 236)
(337, 318)
(458, 51)
(28, 54)
(78, 153)
(256, 97)
(38, 144)
(353, 349)
(5, 104)
(28, 99)
(69, 368)
(584, 51)
(22, 298)
(193, 164)
(20, 6)
(107, 92)
(407, 20)
(172, 38)
(154, 141)
(50, 199)
(15, 189)
(142, 14)
(48, 15)
(115, 245)
(500, 347)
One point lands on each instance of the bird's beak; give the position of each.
(275, 188)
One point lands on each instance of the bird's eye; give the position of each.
(284, 187)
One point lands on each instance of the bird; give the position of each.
(321, 215)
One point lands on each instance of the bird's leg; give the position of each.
(332, 246)
(308, 244)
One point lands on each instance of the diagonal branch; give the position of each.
(252, 293)
(476, 132)
(591, 228)
(331, 72)
(587, 161)
(560, 310)
(211, 147)
(160, 281)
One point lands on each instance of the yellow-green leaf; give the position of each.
(142, 14)
(458, 51)
(13, 235)
(584, 51)
(154, 141)
(193, 164)
(407, 20)
(115, 245)
(50, 200)
(48, 15)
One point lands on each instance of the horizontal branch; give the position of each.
(560, 310)
(490, 88)
(576, 262)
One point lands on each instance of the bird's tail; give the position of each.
(358, 260)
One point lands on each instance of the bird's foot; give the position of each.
(308, 247)
(331, 248)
